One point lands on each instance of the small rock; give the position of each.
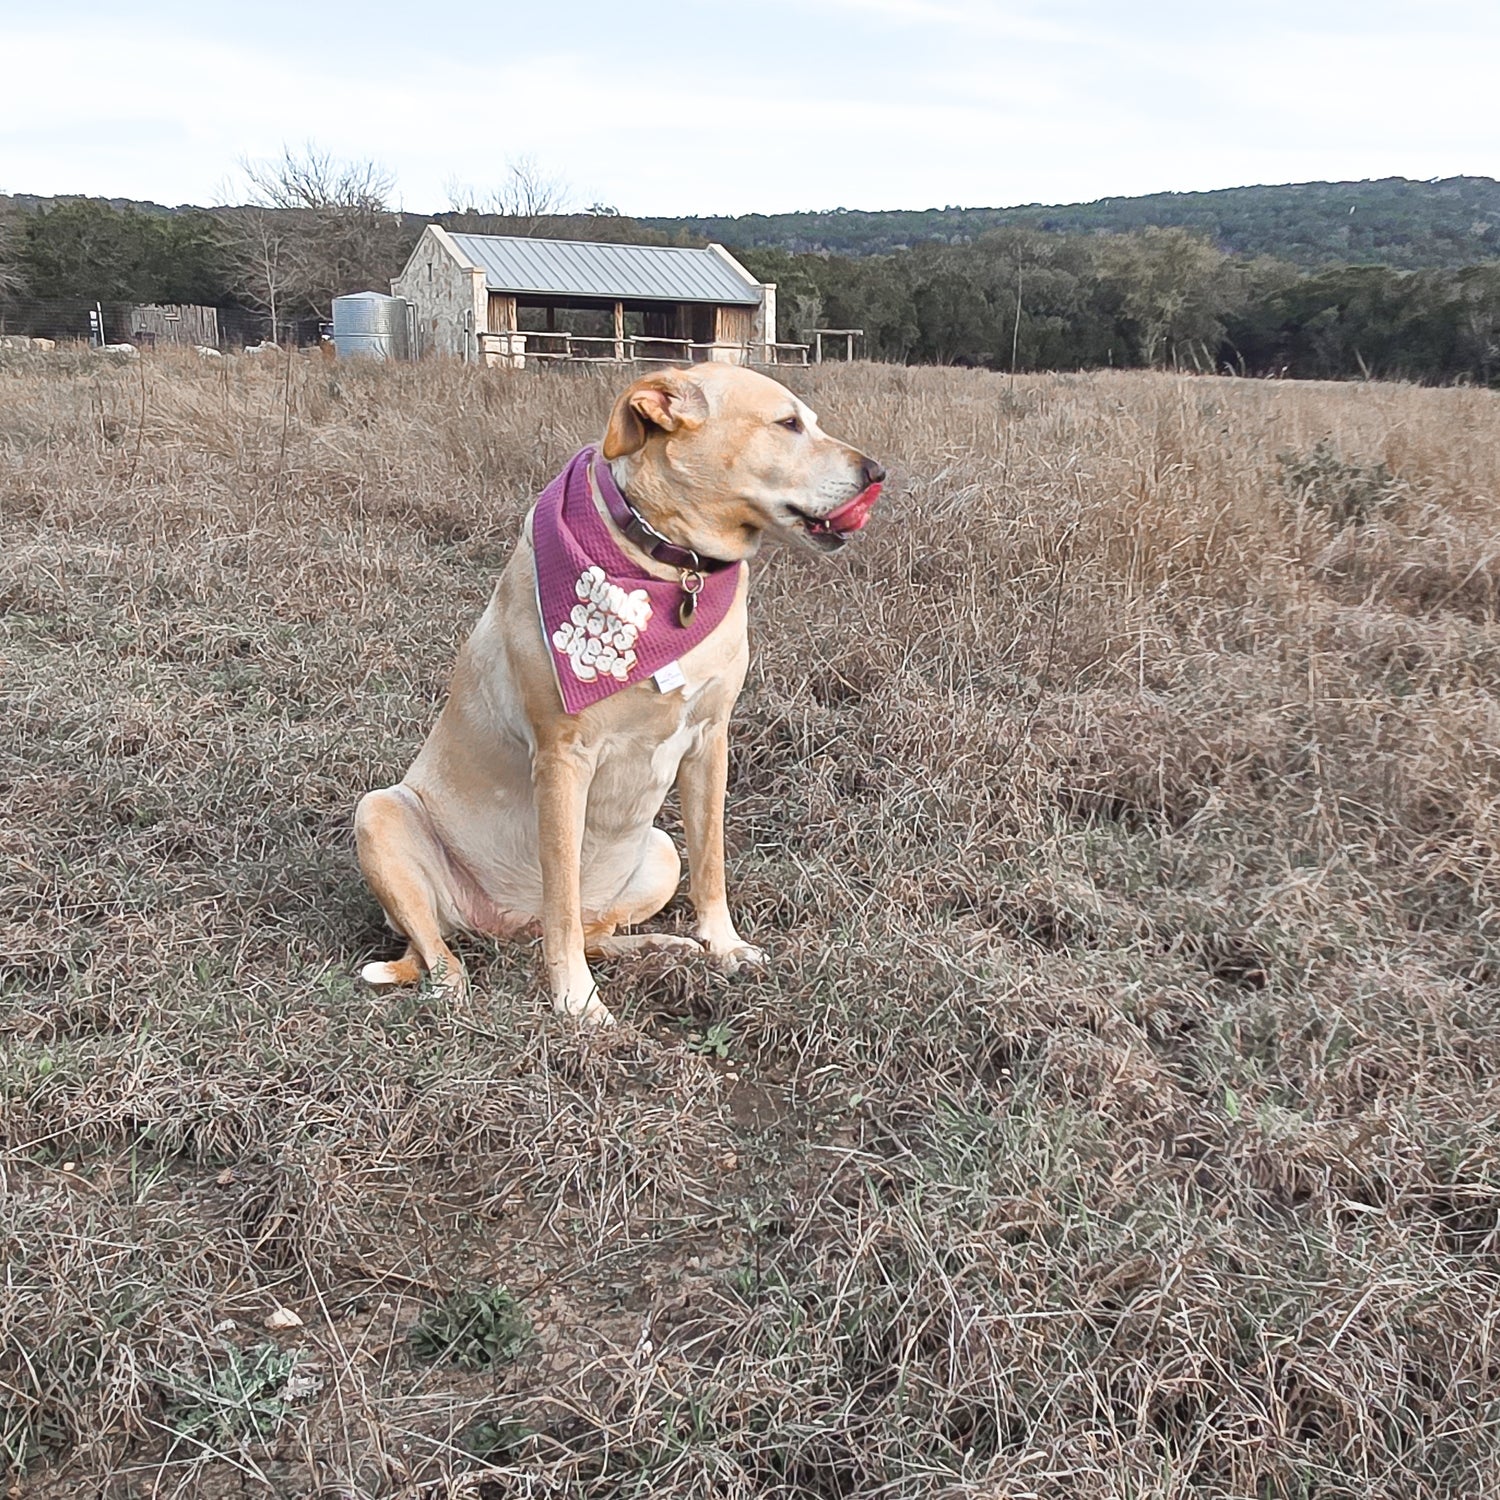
(301, 1384)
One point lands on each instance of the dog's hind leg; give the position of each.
(608, 945)
(402, 863)
(650, 888)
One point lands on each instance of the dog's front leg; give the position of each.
(560, 781)
(702, 781)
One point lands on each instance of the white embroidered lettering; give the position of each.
(598, 637)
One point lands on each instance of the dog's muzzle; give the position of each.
(839, 525)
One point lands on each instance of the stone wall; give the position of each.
(448, 295)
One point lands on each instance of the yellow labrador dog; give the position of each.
(602, 672)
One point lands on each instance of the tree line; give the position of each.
(1027, 300)
(1392, 221)
(313, 228)
(1017, 298)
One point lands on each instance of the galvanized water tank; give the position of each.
(370, 325)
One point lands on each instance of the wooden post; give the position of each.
(817, 347)
(849, 351)
(620, 332)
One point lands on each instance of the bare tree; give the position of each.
(462, 199)
(262, 260)
(319, 181)
(521, 204)
(316, 227)
(529, 193)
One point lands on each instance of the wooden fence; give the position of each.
(521, 348)
(175, 325)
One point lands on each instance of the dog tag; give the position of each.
(691, 583)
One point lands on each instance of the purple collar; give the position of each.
(641, 533)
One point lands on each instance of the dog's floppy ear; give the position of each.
(666, 399)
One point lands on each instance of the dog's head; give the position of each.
(716, 456)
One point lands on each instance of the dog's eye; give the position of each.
(792, 423)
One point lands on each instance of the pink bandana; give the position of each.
(609, 624)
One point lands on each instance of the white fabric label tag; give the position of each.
(669, 678)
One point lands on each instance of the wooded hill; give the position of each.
(1392, 221)
(1065, 289)
(1389, 221)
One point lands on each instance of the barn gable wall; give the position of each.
(449, 297)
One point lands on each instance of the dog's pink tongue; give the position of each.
(852, 517)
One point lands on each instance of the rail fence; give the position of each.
(527, 346)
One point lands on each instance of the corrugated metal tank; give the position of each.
(370, 325)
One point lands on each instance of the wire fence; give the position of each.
(78, 320)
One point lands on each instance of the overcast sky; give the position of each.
(764, 105)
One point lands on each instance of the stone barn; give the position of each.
(512, 301)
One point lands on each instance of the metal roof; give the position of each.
(583, 268)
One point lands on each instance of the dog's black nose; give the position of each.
(874, 473)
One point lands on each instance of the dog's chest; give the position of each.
(639, 760)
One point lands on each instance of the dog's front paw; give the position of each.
(741, 956)
(596, 1014)
(582, 1003)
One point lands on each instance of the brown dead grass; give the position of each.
(1119, 1117)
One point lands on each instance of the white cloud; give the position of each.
(881, 103)
(1014, 22)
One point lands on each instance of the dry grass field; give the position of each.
(1118, 1118)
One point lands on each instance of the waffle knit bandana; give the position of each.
(609, 623)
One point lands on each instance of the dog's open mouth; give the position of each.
(833, 530)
